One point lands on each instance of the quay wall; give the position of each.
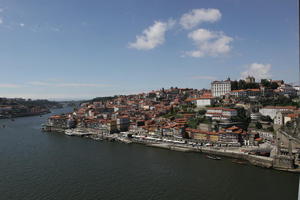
(260, 161)
(170, 147)
(53, 129)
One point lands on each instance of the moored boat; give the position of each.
(241, 162)
(213, 157)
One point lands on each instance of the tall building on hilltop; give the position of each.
(250, 79)
(220, 88)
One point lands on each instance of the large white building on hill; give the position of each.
(271, 111)
(219, 88)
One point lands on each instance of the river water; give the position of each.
(41, 166)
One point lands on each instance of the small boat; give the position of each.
(213, 157)
(241, 162)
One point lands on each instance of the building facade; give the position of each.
(271, 111)
(250, 79)
(220, 88)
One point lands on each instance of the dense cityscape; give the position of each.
(248, 120)
(150, 100)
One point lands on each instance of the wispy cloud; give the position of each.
(51, 96)
(258, 70)
(8, 85)
(197, 16)
(153, 36)
(204, 77)
(209, 43)
(57, 84)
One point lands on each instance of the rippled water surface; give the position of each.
(39, 166)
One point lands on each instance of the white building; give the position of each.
(205, 100)
(246, 93)
(271, 111)
(279, 118)
(255, 116)
(220, 113)
(266, 135)
(290, 117)
(220, 88)
(283, 117)
(287, 89)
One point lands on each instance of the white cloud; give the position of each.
(205, 77)
(51, 96)
(22, 25)
(258, 70)
(153, 36)
(209, 43)
(8, 85)
(197, 16)
(1, 21)
(56, 84)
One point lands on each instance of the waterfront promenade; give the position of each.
(182, 145)
(40, 166)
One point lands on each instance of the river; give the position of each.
(41, 166)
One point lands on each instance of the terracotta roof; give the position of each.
(232, 128)
(293, 115)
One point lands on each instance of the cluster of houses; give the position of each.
(17, 107)
(161, 113)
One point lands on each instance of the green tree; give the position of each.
(258, 125)
(265, 83)
(202, 112)
(274, 85)
(193, 123)
(234, 85)
(242, 84)
(266, 119)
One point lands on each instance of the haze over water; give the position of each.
(41, 166)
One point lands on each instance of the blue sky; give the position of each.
(67, 49)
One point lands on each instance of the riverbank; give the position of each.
(259, 161)
(34, 162)
(238, 153)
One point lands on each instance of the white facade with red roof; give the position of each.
(220, 88)
(205, 100)
(219, 113)
(272, 110)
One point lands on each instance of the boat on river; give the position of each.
(213, 157)
(241, 162)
